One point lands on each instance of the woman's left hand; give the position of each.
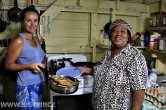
(85, 69)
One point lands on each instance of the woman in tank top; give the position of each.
(24, 55)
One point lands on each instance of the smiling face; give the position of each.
(30, 22)
(119, 36)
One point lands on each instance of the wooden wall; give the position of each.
(75, 24)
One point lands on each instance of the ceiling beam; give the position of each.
(54, 10)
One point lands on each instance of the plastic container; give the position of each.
(161, 43)
(106, 40)
(85, 81)
(142, 41)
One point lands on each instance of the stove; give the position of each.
(86, 81)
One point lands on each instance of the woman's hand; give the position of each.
(34, 67)
(85, 69)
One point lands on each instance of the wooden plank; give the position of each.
(128, 13)
(101, 21)
(69, 24)
(55, 9)
(72, 16)
(132, 20)
(103, 4)
(88, 3)
(71, 49)
(133, 7)
(94, 33)
(78, 33)
(79, 42)
(155, 7)
(70, 28)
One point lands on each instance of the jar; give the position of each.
(161, 43)
(154, 21)
(150, 21)
(142, 41)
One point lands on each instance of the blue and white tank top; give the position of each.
(29, 55)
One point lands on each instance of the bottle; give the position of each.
(151, 42)
(146, 38)
(161, 43)
(142, 41)
(106, 40)
(164, 42)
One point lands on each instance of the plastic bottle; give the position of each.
(161, 43)
(146, 38)
(142, 41)
(106, 40)
(151, 42)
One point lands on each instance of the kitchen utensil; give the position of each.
(76, 64)
(42, 69)
(106, 27)
(69, 71)
(87, 64)
(63, 89)
(49, 24)
(14, 13)
(2, 21)
(85, 81)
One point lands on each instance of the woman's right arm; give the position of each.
(86, 70)
(12, 54)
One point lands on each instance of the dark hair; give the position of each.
(128, 32)
(30, 8)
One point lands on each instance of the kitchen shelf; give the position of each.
(157, 28)
(139, 47)
(105, 47)
(156, 51)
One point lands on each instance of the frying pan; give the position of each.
(63, 89)
(2, 25)
(32, 4)
(76, 64)
(2, 22)
(106, 27)
(14, 13)
(56, 87)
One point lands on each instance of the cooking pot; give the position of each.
(85, 81)
(2, 25)
(63, 89)
(14, 13)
